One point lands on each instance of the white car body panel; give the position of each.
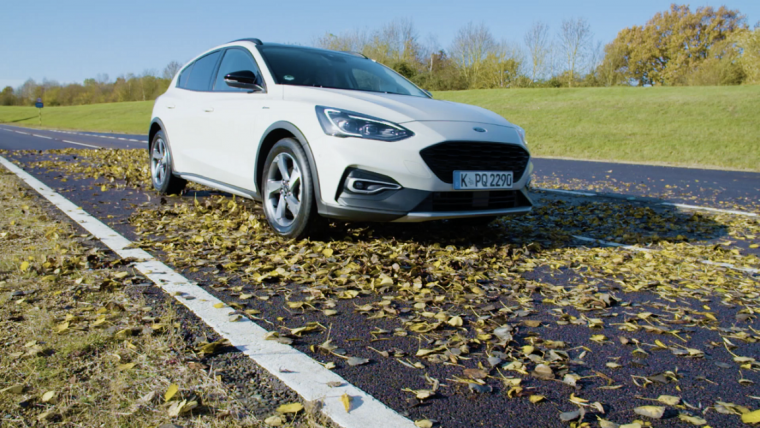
(215, 136)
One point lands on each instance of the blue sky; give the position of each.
(72, 40)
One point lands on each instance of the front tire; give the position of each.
(161, 172)
(288, 190)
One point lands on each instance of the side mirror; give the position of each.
(245, 79)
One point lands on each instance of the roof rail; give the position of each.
(359, 54)
(255, 41)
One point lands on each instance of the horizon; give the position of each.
(151, 45)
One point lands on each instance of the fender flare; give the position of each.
(293, 129)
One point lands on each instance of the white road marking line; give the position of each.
(19, 132)
(665, 204)
(295, 369)
(694, 207)
(646, 250)
(42, 136)
(569, 192)
(82, 144)
(123, 139)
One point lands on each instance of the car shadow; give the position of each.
(554, 223)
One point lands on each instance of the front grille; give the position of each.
(445, 158)
(472, 201)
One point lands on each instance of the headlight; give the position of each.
(342, 123)
(521, 133)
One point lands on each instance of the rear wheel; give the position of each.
(288, 191)
(161, 171)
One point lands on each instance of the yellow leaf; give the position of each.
(670, 400)
(48, 396)
(654, 412)
(327, 252)
(660, 344)
(346, 400)
(751, 417)
(536, 398)
(24, 266)
(60, 328)
(290, 408)
(455, 321)
(423, 423)
(219, 305)
(125, 367)
(171, 392)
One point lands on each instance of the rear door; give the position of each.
(235, 123)
(189, 129)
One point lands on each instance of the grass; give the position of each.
(128, 117)
(65, 354)
(714, 127)
(686, 126)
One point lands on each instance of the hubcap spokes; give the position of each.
(159, 162)
(283, 190)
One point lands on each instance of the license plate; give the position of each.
(474, 180)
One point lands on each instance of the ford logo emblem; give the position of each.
(478, 129)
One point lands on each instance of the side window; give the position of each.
(182, 81)
(235, 60)
(200, 76)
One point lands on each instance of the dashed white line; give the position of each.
(42, 136)
(633, 198)
(305, 376)
(82, 144)
(20, 132)
(646, 250)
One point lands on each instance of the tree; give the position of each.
(537, 41)
(7, 97)
(574, 41)
(748, 43)
(675, 43)
(471, 46)
(171, 70)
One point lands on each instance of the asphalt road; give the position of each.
(454, 405)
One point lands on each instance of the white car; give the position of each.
(314, 133)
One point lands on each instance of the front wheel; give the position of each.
(288, 190)
(161, 172)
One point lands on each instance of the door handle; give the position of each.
(170, 106)
(208, 109)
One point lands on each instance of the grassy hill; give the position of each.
(128, 118)
(687, 126)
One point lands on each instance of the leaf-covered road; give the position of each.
(516, 324)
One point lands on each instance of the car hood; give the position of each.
(392, 107)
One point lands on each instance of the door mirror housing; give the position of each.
(244, 79)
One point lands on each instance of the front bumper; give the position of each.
(421, 195)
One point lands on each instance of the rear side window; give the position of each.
(182, 81)
(235, 60)
(200, 76)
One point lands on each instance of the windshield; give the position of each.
(293, 65)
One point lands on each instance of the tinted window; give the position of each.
(200, 77)
(291, 65)
(235, 60)
(182, 81)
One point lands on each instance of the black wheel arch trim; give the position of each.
(293, 129)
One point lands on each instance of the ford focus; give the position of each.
(314, 134)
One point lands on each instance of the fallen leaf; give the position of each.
(536, 398)
(125, 367)
(290, 408)
(423, 423)
(346, 400)
(171, 392)
(670, 400)
(654, 412)
(751, 417)
(48, 396)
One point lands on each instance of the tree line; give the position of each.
(679, 46)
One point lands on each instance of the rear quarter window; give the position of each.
(182, 80)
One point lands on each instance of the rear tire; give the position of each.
(288, 193)
(161, 172)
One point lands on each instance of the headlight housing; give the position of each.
(343, 123)
(521, 133)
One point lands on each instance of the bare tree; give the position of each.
(470, 47)
(171, 70)
(539, 46)
(574, 41)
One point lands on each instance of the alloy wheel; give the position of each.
(159, 162)
(283, 190)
